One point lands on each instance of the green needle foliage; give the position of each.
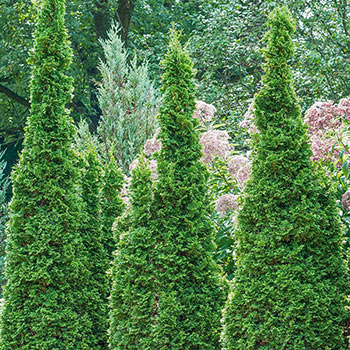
(190, 297)
(45, 272)
(112, 204)
(97, 257)
(290, 278)
(132, 296)
(4, 185)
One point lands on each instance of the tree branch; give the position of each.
(12, 95)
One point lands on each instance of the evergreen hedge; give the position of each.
(290, 279)
(45, 267)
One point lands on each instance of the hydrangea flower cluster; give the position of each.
(152, 145)
(239, 168)
(204, 112)
(226, 202)
(325, 120)
(215, 144)
(236, 163)
(248, 120)
(323, 116)
(346, 200)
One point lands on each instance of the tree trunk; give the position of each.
(124, 16)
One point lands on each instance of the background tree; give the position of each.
(133, 297)
(46, 276)
(187, 281)
(224, 45)
(128, 102)
(290, 282)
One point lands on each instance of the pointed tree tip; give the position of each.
(281, 16)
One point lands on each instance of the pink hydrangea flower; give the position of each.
(153, 145)
(153, 166)
(215, 144)
(204, 112)
(325, 120)
(346, 200)
(344, 106)
(243, 175)
(248, 120)
(235, 163)
(234, 220)
(225, 203)
(323, 116)
(322, 147)
(124, 195)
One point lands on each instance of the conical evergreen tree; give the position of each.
(132, 296)
(97, 257)
(45, 265)
(112, 204)
(188, 289)
(290, 278)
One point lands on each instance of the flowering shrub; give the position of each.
(226, 203)
(215, 144)
(325, 120)
(204, 112)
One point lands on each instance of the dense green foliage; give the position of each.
(133, 297)
(45, 268)
(112, 205)
(190, 297)
(127, 100)
(4, 185)
(97, 256)
(87, 22)
(224, 34)
(290, 284)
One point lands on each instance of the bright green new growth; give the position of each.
(132, 296)
(45, 268)
(96, 254)
(112, 204)
(188, 291)
(290, 278)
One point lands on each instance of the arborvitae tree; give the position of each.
(46, 276)
(4, 185)
(112, 204)
(132, 296)
(188, 291)
(97, 257)
(290, 278)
